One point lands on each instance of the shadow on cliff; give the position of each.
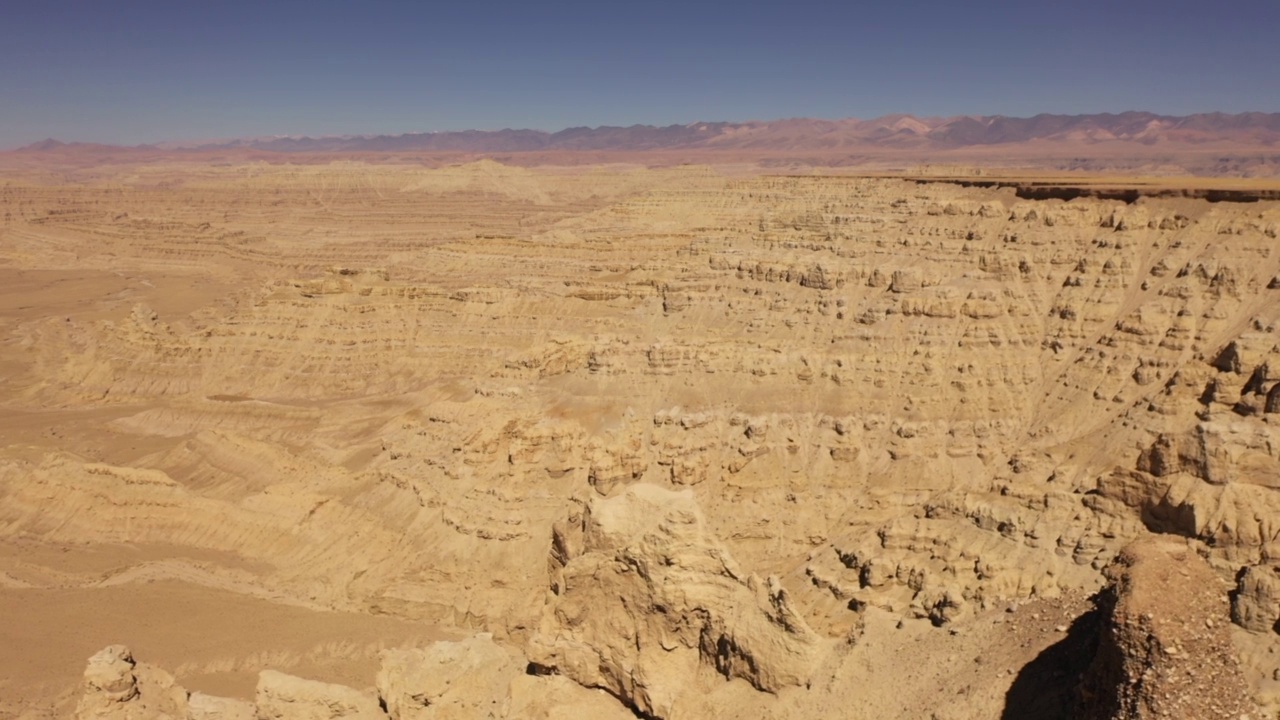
(1045, 688)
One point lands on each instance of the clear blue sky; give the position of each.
(138, 71)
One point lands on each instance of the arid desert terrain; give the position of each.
(393, 442)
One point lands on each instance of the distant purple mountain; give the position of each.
(894, 131)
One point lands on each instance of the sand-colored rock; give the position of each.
(1164, 649)
(209, 707)
(554, 696)
(477, 678)
(110, 677)
(642, 598)
(116, 687)
(378, 396)
(286, 697)
(1255, 604)
(448, 681)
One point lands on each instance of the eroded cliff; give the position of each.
(857, 417)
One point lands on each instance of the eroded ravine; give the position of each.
(870, 416)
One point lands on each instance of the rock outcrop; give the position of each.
(286, 697)
(117, 687)
(643, 599)
(462, 680)
(1164, 649)
(209, 707)
(1255, 603)
(449, 680)
(478, 678)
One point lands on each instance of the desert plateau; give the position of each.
(560, 360)
(362, 437)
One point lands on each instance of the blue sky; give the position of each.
(141, 71)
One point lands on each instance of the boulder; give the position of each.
(116, 687)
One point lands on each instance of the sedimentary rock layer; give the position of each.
(422, 394)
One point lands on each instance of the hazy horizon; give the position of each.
(155, 72)
(191, 141)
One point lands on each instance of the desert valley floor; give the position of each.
(369, 440)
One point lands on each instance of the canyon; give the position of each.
(400, 440)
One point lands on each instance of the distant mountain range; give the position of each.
(904, 132)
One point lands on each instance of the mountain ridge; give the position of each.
(900, 131)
